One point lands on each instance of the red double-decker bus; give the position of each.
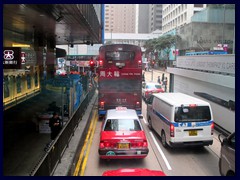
(120, 77)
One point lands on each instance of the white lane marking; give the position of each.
(161, 152)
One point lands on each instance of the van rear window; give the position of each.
(192, 114)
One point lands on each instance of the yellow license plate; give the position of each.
(123, 146)
(193, 133)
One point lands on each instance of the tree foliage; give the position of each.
(163, 43)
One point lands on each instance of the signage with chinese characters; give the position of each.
(12, 58)
(110, 73)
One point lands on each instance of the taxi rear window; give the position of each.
(122, 125)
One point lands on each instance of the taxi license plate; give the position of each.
(193, 133)
(123, 146)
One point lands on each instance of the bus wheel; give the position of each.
(163, 139)
(150, 123)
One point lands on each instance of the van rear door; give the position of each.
(193, 123)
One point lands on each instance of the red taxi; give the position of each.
(122, 135)
(133, 172)
(148, 88)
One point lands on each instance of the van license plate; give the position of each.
(192, 133)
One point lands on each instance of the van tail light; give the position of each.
(212, 128)
(172, 130)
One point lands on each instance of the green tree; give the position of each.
(166, 43)
(150, 45)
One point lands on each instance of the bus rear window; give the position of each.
(192, 114)
(119, 55)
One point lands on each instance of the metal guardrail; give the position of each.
(49, 161)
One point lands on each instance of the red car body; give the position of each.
(133, 172)
(122, 136)
(148, 88)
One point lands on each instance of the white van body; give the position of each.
(180, 119)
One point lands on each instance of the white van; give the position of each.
(180, 119)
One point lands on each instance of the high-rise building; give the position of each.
(143, 18)
(150, 18)
(176, 15)
(155, 17)
(120, 18)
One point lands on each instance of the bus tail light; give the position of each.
(102, 104)
(139, 63)
(171, 130)
(100, 63)
(212, 128)
(137, 104)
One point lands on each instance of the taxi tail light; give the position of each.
(212, 128)
(145, 144)
(106, 145)
(172, 130)
(139, 144)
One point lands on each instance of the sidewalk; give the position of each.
(71, 154)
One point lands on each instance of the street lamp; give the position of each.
(223, 23)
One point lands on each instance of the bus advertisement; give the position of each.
(120, 77)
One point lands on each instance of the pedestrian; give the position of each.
(165, 83)
(55, 124)
(163, 77)
(159, 80)
(143, 76)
